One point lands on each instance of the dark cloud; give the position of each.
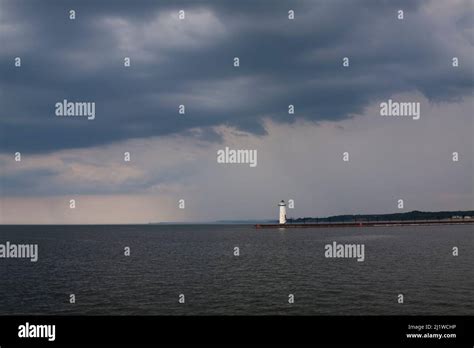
(282, 62)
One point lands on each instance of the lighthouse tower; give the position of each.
(282, 206)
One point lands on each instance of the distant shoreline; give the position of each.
(413, 218)
(369, 224)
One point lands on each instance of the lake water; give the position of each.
(198, 261)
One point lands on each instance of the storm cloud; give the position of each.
(190, 62)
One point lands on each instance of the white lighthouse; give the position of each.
(282, 206)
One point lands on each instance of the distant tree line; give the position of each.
(412, 215)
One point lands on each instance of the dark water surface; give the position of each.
(198, 261)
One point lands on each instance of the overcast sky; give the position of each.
(190, 62)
